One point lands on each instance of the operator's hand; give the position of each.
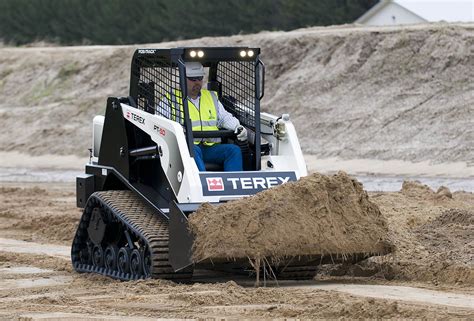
(241, 133)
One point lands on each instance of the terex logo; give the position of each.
(214, 184)
(135, 117)
(245, 183)
(257, 182)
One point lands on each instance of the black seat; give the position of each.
(211, 167)
(215, 86)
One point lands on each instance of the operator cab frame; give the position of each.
(236, 74)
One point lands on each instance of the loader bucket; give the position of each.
(180, 238)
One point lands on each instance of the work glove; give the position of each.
(241, 133)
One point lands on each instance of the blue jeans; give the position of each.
(228, 155)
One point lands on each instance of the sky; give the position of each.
(436, 10)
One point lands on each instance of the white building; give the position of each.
(396, 12)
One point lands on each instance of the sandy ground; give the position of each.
(430, 275)
(390, 93)
(390, 101)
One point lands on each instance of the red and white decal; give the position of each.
(242, 183)
(215, 184)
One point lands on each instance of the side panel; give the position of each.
(114, 143)
(181, 171)
(107, 178)
(285, 154)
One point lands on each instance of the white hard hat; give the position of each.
(194, 69)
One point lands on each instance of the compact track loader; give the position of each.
(142, 182)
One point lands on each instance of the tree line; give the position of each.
(114, 22)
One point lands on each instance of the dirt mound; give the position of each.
(41, 261)
(39, 214)
(443, 191)
(455, 216)
(433, 249)
(317, 215)
(53, 229)
(447, 235)
(432, 236)
(34, 191)
(448, 241)
(416, 189)
(352, 92)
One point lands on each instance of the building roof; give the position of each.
(430, 10)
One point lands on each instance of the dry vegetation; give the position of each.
(385, 93)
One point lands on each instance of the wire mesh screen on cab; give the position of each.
(158, 86)
(237, 81)
(159, 90)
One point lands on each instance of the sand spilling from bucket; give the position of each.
(317, 215)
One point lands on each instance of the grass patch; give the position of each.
(39, 92)
(47, 88)
(5, 73)
(68, 71)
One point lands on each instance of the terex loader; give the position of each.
(142, 182)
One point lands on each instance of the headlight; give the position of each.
(200, 53)
(250, 53)
(243, 54)
(192, 54)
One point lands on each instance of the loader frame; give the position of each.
(143, 147)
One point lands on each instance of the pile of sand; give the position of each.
(317, 215)
(432, 234)
(37, 214)
(401, 92)
(418, 190)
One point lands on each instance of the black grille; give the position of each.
(157, 79)
(237, 79)
(157, 87)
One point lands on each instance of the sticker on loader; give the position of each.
(239, 183)
(214, 184)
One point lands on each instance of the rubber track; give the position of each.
(142, 222)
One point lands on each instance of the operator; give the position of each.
(207, 114)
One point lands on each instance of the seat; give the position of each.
(211, 167)
(215, 86)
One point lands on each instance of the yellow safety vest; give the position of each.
(202, 119)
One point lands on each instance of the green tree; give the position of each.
(73, 22)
